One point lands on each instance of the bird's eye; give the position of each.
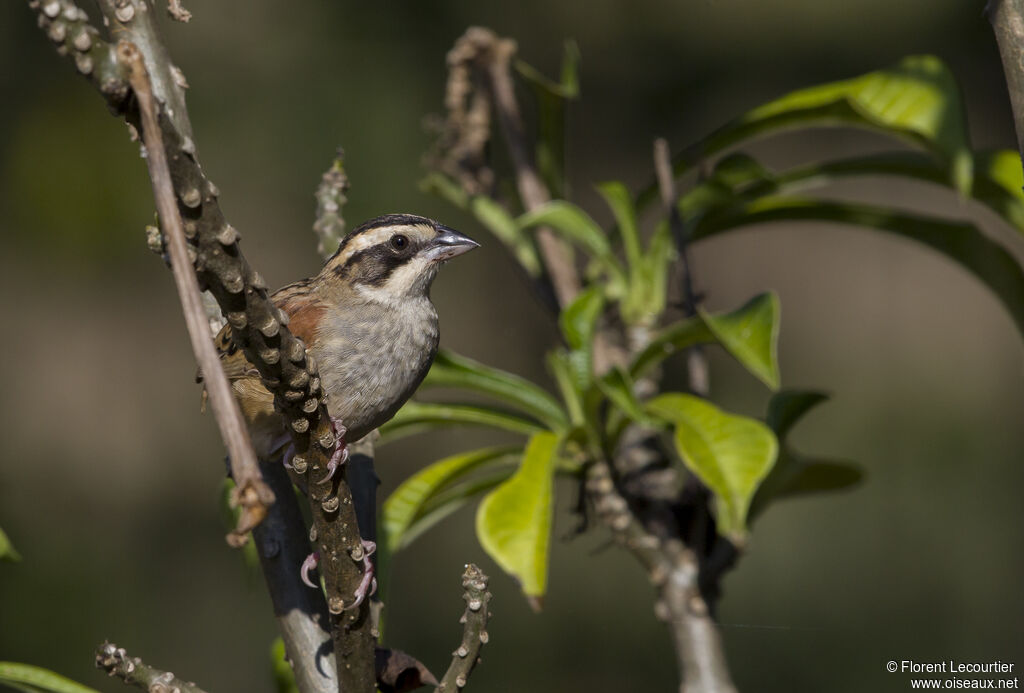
(398, 242)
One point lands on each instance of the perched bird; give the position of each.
(367, 320)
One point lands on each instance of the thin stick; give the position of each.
(252, 493)
(474, 634)
(696, 362)
(133, 671)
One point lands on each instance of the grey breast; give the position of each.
(376, 361)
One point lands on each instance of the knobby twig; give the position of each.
(134, 672)
(253, 495)
(696, 362)
(474, 634)
(258, 327)
(1007, 18)
(673, 570)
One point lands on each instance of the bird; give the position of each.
(368, 322)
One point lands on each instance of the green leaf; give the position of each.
(406, 503)
(730, 454)
(455, 497)
(579, 319)
(551, 97)
(959, 241)
(499, 222)
(751, 335)
(670, 340)
(572, 375)
(576, 225)
(917, 99)
(617, 386)
(418, 417)
(489, 213)
(513, 522)
(654, 276)
(453, 370)
(617, 197)
(7, 550)
(1000, 182)
(795, 474)
(997, 183)
(789, 406)
(40, 679)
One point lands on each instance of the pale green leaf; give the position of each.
(452, 370)
(617, 386)
(917, 99)
(405, 505)
(455, 497)
(730, 454)
(513, 522)
(7, 550)
(40, 679)
(419, 417)
(618, 199)
(751, 335)
(572, 223)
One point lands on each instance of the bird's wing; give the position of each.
(304, 315)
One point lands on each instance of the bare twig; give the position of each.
(258, 327)
(253, 495)
(134, 672)
(673, 570)
(696, 362)
(474, 634)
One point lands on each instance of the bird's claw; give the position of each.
(340, 454)
(307, 565)
(368, 585)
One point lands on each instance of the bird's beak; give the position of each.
(449, 243)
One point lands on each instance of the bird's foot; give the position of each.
(368, 585)
(311, 562)
(340, 454)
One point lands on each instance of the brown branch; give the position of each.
(558, 257)
(258, 327)
(134, 672)
(1007, 18)
(696, 362)
(474, 634)
(673, 571)
(253, 495)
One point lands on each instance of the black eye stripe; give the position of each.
(375, 264)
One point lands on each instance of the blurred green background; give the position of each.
(110, 475)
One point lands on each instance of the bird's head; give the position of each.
(395, 256)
